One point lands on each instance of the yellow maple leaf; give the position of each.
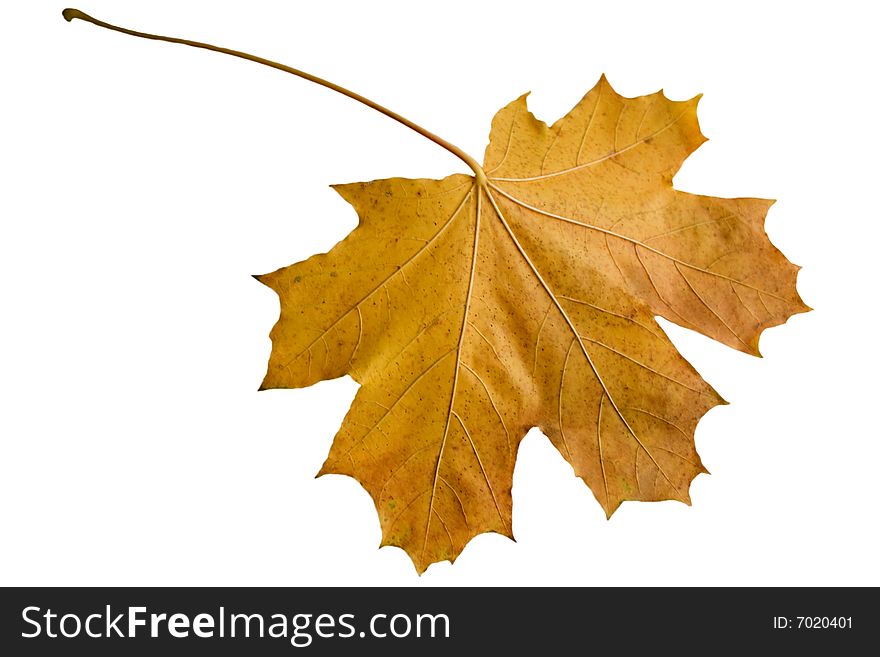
(473, 308)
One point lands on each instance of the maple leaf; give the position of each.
(473, 308)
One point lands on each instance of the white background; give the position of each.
(143, 183)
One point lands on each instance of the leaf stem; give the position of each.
(70, 14)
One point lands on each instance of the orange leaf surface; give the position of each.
(473, 308)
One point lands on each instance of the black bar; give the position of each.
(678, 621)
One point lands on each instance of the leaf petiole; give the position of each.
(71, 14)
